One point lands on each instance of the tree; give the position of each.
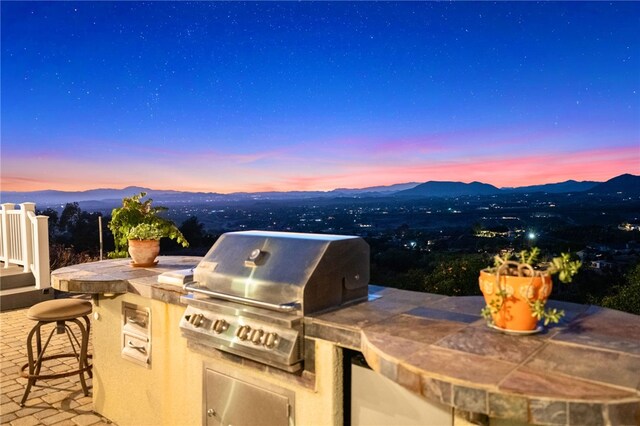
(75, 228)
(193, 230)
(73, 236)
(69, 216)
(454, 274)
(200, 241)
(627, 297)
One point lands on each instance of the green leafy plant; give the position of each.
(527, 264)
(145, 231)
(125, 223)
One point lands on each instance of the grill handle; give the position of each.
(284, 307)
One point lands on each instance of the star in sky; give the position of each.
(230, 96)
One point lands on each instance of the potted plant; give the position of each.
(136, 226)
(144, 244)
(516, 291)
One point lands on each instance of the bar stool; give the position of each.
(62, 312)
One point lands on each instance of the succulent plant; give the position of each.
(527, 264)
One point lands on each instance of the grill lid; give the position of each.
(312, 272)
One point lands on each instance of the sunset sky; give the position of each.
(225, 97)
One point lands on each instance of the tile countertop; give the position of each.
(585, 370)
(118, 276)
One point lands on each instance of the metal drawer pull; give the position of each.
(137, 348)
(136, 322)
(284, 307)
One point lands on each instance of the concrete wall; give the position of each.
(170, 391)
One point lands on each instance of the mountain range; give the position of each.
(625, 184)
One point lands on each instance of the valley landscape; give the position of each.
(430, 237)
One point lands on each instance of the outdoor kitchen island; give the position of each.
(431, 347)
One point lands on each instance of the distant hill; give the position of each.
(378, 189)
(625, 184)
(555, 188)
(50, 197)
(112, 197)
(109, 197)
(449, 189)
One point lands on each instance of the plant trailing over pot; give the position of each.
(145, 231)
(516, 291)
(139, 221)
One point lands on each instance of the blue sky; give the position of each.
(221, 96)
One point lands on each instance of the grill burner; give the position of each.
(252, 290)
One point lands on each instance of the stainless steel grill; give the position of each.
(252, 290)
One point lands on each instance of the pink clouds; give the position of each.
(501, 160)
(511, 170)
(505, 170)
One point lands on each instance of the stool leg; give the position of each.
(34, 366)
(43, 348)
(30, 380)
(38, 340)
(86, 359)
(72, 337)
(38, 347)
(82, 360)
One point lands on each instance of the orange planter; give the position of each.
(515, 313)
(144, 252)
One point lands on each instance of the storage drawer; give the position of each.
(136, 334)
(135, 320)
(136, 348)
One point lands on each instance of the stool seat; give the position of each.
(59, 310)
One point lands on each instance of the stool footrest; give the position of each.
(70, 373)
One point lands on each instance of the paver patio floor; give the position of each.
(51, 402)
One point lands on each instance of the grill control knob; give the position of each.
(220, 326)
(243, 332)
(256, 258)
(256, 336)
(255, 254)
(195, 320)
(270, 340)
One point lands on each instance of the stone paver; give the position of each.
(51, 402)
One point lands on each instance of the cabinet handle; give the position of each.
(136, 322)
(138, 348)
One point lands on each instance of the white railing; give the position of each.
(24, 241)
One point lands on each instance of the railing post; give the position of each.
(41, 269)
(27, 248)
(6, 207)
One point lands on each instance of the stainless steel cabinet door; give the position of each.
(232, 402)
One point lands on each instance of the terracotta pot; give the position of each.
(144, 252)
(516, 312)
